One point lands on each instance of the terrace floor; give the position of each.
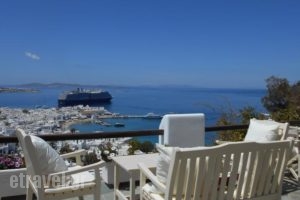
(291, 191)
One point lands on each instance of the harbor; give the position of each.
(45, 121)
(57, 120)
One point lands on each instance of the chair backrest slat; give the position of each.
(269, 174)
(191, 175)
(224, 175)
(242, 173)
(180, 182)
(209, 175)
(215, 185)
(199, 179)
(258, 176)
(234, 174)
(278, 159)
(263, 174)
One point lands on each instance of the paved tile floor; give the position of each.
(291, 191)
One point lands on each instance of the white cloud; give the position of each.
(32, 55)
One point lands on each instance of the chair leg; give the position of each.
(29, 193)
(97, 195)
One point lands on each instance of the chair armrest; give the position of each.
(76, 154)
(94, 166)
(151, 177)
(218, 142)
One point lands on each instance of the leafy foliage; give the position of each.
(232, 117)
(278, 93)
(90, 158)
(282, 99)
(65, 149)
(145, 147)
(133, 146)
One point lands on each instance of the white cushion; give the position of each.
(49, 160)
(164, 159)
(163, 162)
(262, 131)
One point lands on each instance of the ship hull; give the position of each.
(91, 102)
(84, 97)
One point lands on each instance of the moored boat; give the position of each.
(152, 116)
(119, 124)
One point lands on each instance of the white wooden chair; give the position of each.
(261, 131)
(58, 184)
(239, 170)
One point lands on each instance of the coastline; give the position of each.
(17, 90)
(38, 121)
(67, 124)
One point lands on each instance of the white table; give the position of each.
(130, 165)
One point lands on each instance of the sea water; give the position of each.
(143, 100)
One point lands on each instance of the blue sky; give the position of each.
(228, 44)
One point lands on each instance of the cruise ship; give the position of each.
(84, 97)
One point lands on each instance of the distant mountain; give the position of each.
(66, 85)
(50, 85)
(15, 90)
